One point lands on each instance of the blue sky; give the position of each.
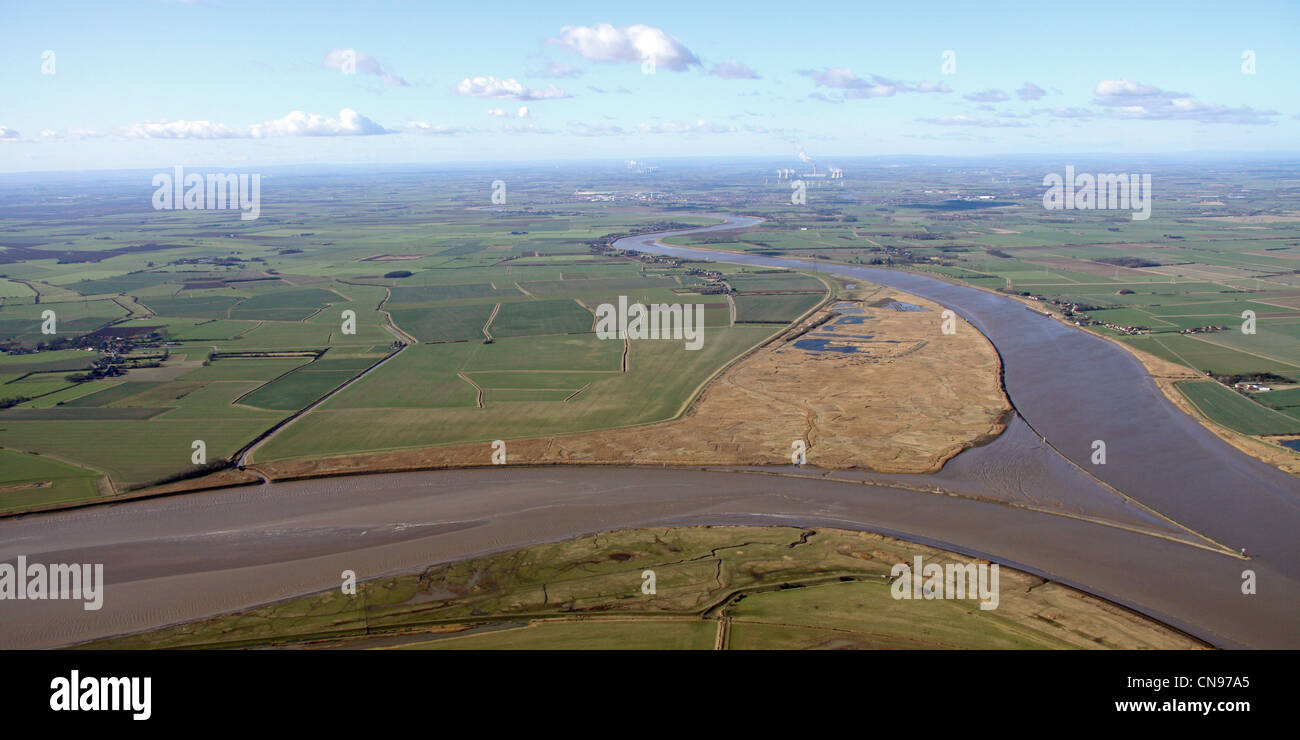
(152, 83)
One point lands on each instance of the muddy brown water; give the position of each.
(1074, 388)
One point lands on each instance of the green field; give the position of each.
(533, 318)
(781, 308)
(1237, 412)
(443, 324)
(664, 374)
(33, 480)
(307, 383)
(412, 246)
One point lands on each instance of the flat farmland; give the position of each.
(131, 452)
(247, 368)
(444, 266)
(443, 324)
(306, 383)
(781, 309)
(582, 352)
(1237, 412)
(530, 318)
(1208, 356)
(35, 480)
(662, 378)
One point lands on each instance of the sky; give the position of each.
(133, 84)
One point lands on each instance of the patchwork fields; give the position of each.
(216, 331)
(172, 327)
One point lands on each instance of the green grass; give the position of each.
(750, 283)
(443, 324)
(540, 317)
(306, 384)
(422, 376)
(133, 452)
(79, 413)
(208, 307)
(58, 481)
(1280, 399)
(284, 305)
(1207, 356)
(113, 394)
(775, 308)
(1234, 411)
(571, 352)
(521, 395)
(430, 293)
(65, 396)
(247, 368)
(664, 374)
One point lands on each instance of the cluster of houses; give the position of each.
(714, 282)
(1129, 330)
(1076, 312)
(1252, 387)
(611, 196)
(1203, 330)
(657, 259)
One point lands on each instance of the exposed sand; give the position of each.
(910, 399)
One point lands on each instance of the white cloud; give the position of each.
(1030, 91)
(599, 129)
(988, 96)
(1071, 112)
(503, 113)
(607, 43)
(361, 63)
(420, 127)
(8, 134)
(183, 129)
(491, 87)
(733, 70)
(71, 133)
(675, 127)
(964, 120)
(296, 123)
(1131, 100)
(843, 78)
(1126, 88)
